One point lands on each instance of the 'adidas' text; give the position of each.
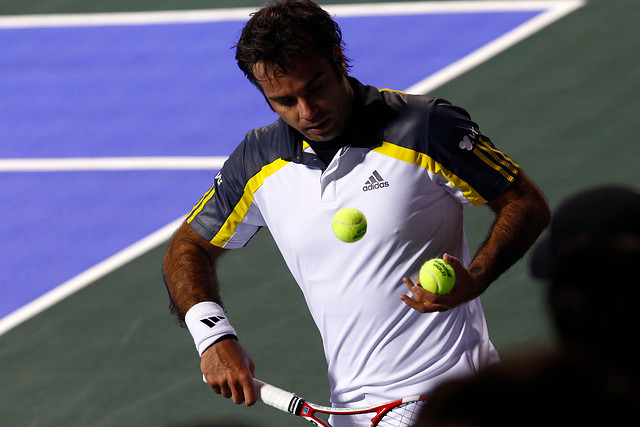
(375, 181)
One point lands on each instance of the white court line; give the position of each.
(502, 43)
(110, 164)
(432, 7)
(88, 276)
(553, 10)
(124, 18)
(214, 15)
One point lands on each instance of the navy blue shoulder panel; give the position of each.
(260, 147)
(447, 134)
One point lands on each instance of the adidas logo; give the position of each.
(211, 321)
(468, 141)
(375, 181)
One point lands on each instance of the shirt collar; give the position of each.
(365, 128)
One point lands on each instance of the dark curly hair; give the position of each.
(284, 31)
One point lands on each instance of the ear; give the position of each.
(338, 56)
(343, 68)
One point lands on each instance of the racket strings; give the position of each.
(404, 415)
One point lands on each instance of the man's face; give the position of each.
(310, 97)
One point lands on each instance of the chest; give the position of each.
(400, 200)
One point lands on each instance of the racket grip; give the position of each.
(276, 397)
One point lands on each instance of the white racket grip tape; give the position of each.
(276, 397)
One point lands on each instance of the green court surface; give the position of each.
(563, 103)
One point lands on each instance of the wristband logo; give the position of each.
(375, 182)
(212, 320)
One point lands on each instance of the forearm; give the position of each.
(189, 271)
(521, 216)
(189, 274)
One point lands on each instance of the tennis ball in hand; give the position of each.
(349, 225)
(437, 276)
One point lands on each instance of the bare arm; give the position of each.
(522, 213)
(189, 270)
(190, 277)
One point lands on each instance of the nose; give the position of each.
(306, 109)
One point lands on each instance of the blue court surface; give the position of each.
(157, 90)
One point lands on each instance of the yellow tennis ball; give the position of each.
(349, 225)
(437, 276)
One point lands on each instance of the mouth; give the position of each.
(318, 129)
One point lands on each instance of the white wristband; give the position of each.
(207, 323)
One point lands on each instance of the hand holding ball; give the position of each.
(349, 225)
(437, 276)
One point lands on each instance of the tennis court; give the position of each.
(113, 124)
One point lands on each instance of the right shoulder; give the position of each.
(262, 146)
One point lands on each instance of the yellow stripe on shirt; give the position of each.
(242, 207)
(392, 90)
(499, 161)
(426, 162)
(198, 207)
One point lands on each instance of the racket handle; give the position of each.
(278, 398)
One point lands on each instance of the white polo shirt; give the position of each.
(412, 164)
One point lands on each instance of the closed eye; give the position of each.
(285, 101)
(316, 87)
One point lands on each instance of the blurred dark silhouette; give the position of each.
(588, 261)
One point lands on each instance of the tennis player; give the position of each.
(410, 163)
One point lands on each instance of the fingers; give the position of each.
(250, 394)
(423, 301)
(229, 371)
(455, 263)
(466, 288)
(238, 390)
(450, 259)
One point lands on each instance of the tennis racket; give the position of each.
(397, 413)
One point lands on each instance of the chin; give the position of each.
(319, 138)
